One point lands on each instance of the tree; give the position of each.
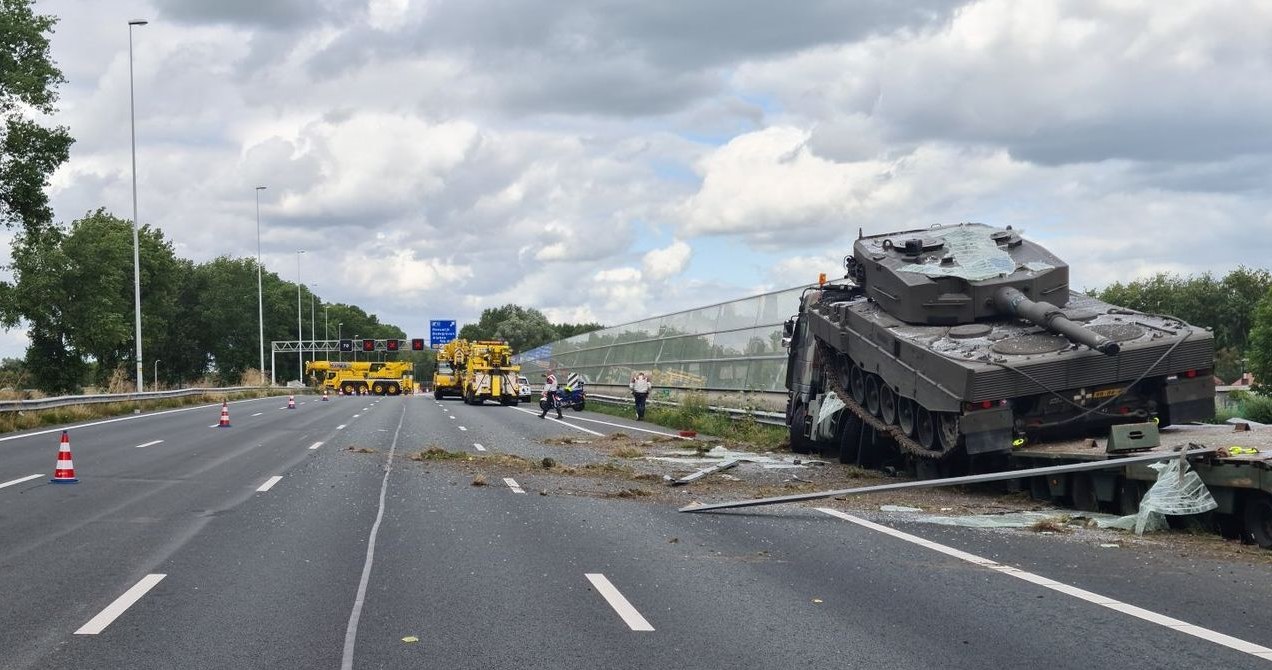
(524, 328)
(29, 152)
(1260, 351)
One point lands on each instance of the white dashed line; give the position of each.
(451, 416)
(356, 415)
(104, 618)
(269, 483)
(340, 427)
(462, 428)
(630, 616)
(315, 445)
(27, 479)
(1081, 594)
(512, 484)
(476, 446)
(148, 444)
(564, 423)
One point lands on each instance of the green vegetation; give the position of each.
(1252, 406)
(25, 420)
(692, 414)
(521, 327)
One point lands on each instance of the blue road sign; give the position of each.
(440, 332)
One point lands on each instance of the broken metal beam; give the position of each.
(705, 471)
(957, 481)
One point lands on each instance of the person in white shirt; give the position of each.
(550, 395)
(641, 387)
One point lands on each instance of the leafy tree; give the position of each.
(1260, 351)
(524, 328)
(29, 152)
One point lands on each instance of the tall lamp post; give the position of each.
(340, 335)
(300, 332)
(132, 120)
(313, 355)
(156, 384)
(260, 301)
(324, 329)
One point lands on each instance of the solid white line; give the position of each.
(351, 631)
(36, 476)
(315, 445)
(148, 444)
(104, 618)
(590, 432)
(476, 446)
(626, 427)
(512, 484)
(630, 616)
(1081, 594)
(121, 418)
(269, 483)
(462, 428)
(340, 427)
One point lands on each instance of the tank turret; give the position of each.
(961, 274)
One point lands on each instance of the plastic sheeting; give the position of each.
(1169, 495)
(976, 256)
(830, 405)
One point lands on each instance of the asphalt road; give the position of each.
(280, 548)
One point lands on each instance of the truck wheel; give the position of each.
(347, 388)
(393, 389)
(849, 437)
(437, 394)
(1258, 518)
(377, 388)
(799, 443)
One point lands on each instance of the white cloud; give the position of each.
(667, 262)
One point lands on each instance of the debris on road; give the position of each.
(699, 474)
(410, 638)
(360, 450)
(479, 480)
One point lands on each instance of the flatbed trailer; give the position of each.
(1241, 483)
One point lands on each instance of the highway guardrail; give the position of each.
(68, 400)
(760, 416)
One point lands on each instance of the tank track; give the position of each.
(903, 441)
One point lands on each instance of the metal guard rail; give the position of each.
(768, 418)
(68, 400)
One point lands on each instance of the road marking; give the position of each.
(1081, 594)
(476, 446)
(512, 484)
(269, 483)
(462, 428)
(340, 427)
(356, 415)
(626, 427)
(104, 618)
(215, 425)
(451, 415)
(118, 419)
(258, 414)
(315, 445)
(366, 409)
(590, 432)
(36, 476)
(351, 630)
(630, 616)
(148, 444)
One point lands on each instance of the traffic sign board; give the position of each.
(441, 332)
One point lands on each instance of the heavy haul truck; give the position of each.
(477, 371)
(448, 379)
(370, 377)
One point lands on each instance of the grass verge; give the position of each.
(692, 414)
(28, 419)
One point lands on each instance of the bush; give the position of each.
(1255, 408)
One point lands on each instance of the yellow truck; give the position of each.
(489, 373)
(357, 377)
(448, 379)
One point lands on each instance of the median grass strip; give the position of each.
(692, 414)
(38, 418)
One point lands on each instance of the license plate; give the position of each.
(1105, 393)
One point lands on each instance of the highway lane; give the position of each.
(484, 576)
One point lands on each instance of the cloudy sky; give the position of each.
(607, 160)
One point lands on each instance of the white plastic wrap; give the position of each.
(829, 406)
(1169, 495)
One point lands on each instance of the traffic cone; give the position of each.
(225, 415)
(324, 394)
(64, 472)
(291, 402)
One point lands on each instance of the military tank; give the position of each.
(968, 339)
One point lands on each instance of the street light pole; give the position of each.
(313, 355)
(324, 329)
(340, 335)
(132, 120)
(260, 300)
(300, 332)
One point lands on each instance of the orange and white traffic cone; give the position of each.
(291, 402)
(324, 394)
(64, 473)
(225, 415)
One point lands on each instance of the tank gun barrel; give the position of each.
(1012, 301)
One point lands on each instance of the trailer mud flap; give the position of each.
(988, 442)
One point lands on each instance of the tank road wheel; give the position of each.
(887, 404)
(857, 384)
(926, 428)
(799, 443)
(347, 388)
(905, 415)
(849, 437)
(872, 395)
(947, 429)
(1258, 518)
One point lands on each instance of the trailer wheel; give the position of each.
(849, 437)
(1129, 493)
(905, 415)
(1258, 518)
(1082, 489)
(799, 443)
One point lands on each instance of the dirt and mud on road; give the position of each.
(643, 469)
